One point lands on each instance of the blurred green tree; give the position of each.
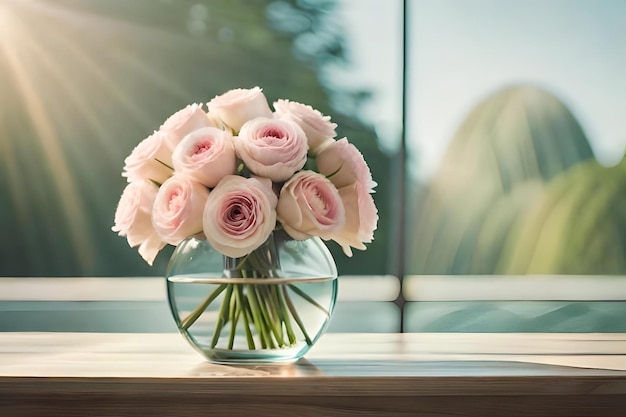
(519, 191)
(575, 225)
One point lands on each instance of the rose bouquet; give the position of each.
(237, 176)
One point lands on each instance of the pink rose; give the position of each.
(361, 218)
(151, 159)
(272, 148)
(347, 170)
(318, 128)
(133, 218)
(236, 107)
(183, 122)
(206, 156)
(346, 164)
(178, 208)
(310, 205)
(239, 215)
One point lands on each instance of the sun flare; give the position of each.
(60, 70)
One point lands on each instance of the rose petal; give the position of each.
(344, 165)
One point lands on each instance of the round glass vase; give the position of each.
(269, 306)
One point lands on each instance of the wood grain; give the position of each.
(75, 374)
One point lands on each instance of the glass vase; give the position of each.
(269, 306)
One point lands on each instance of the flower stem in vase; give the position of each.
(234, 313)
(222, 318)
(296, 317)
(247, 316)
(197, 312)
(260, 321)
(268, 311)
(309, 299)
(274, 309)
(284, 313)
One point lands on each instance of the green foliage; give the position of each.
(508, 147)
(577, 225)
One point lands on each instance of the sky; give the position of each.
(461, 51)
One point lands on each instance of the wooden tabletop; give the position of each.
(437, 374)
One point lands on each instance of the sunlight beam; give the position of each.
(52, 151)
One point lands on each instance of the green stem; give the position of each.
(197, 312)
(308, 298)
(242, 261)
(164, 164)
(246, 313)
(221, 320)
(296, 317)
(276, 308)
(284, 315)
(258, 319)
(265, 305)
(235, 311)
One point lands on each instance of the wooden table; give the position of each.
(87, 374)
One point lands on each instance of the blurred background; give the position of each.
(495, 130)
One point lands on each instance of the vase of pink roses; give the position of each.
(248, 195)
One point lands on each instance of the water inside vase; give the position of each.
(254, 319)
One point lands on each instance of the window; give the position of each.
(515, 217)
